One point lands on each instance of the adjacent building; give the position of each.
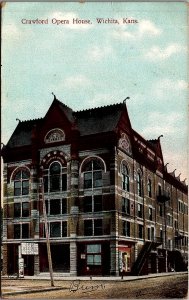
(111, 205)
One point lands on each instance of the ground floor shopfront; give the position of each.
(100, 258)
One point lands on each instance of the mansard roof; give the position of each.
(23, 133)
(98, 120)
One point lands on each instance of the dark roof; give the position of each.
(23, 133)
(98, 120)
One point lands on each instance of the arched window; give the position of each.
(93, 174)
(125, 178)
(139, 184)
(56, 180)
(149, 185)
(21, 183)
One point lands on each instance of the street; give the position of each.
(174, 286)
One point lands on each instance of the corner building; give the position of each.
(111, 205)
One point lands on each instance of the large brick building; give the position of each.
(111, 204)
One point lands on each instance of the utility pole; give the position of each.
(47, 235)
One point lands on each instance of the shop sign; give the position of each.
(29, 249)
(21, 267)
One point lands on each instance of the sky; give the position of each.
(92, 65)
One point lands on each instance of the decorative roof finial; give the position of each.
(54, 96)
(18, 120)
(124, 101)
(160, 136)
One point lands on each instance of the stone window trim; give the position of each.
(17, 169)
(88, 159)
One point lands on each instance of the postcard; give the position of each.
(94, 150)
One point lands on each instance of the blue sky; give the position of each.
(100, 64)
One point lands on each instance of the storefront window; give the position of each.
(94, 255)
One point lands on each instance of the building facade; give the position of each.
(112, 207)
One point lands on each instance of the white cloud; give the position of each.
(142, 29)
(10, 31)
(76, 81)
(148, 28)
(97, 53)
(162, 123)
(157, 53)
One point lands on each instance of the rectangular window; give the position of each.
(17, 232)
(64, 182)
(150, 213)
(88, 204)
(98, 227)
(25, 187)
(64, 206)
(64, 228)
(97, 178)
(140, 231)
(55, 229)
(126, 205)
(152, 233)
(55, 207)
(17, 210)
(17, 188)
(25, 209)
(25, 231)
(88, 228)
(97, 203)
(160, 210)
(47, 206)
(94, 255)
(88, 180)
(126, 228)
(45, 179)
(159, 190)
(54, 183)
(149, 234)
(140, 213)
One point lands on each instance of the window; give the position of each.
(93, 203)
(139, 184)
(64, 229)
(161, 210)
(55, 229)
(21, 183)
(140, 213)
(21, 209)
(94, 255)
(125, 178)
(169, 220)
(55, 179)
(159, 190)
(176, 224)
(140, 231)
(150, 213)
(126, 205)
(151, 233)
(93, 174)
(93, 227)
(126, 228)
(56, 206)
(21, 231)
(149, 186)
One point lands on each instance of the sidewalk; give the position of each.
(18, 284)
